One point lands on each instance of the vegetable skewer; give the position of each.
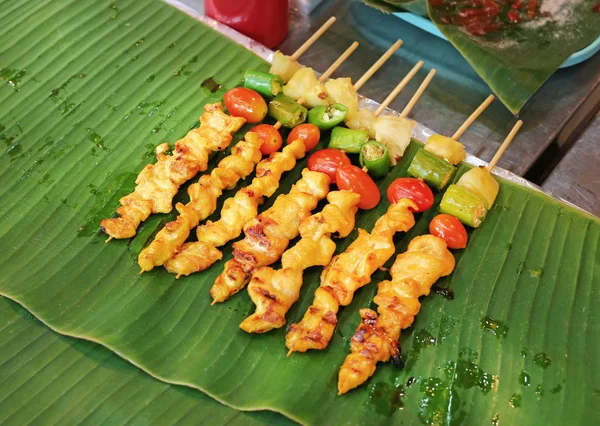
(277, 105)
(275, 291)
(426, 259)
(157, 184)
(434, 163)
(305, 88)
(473, 195)
(286, 66)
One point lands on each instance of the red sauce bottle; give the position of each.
(266, 21)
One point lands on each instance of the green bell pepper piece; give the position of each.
(287, 111)
(266, 84)
(348, 140)
(376, 158)
(327, 117)
(464, 205)
(435, 171)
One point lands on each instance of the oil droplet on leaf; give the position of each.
(387, 399)
(536, 272)
(524, 378)
(539, 391)
(13, 77)
(446, 293)
(542, 360)
(115, 10)
(515, 400)
(498, 328)
(496, 420)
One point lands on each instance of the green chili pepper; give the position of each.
(266, 84)
(287, 111)
(327, 117)
(464, 205)
(435, 171)
(347, 139)
(375, 157)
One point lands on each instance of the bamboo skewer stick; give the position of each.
(339, 61)
(312, 39)
(472, 117)
(417, 94)
(504, 145)
(398, 88)
(377, 65)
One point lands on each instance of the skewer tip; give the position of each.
(108, 239)
(214, 302)
(290, 352)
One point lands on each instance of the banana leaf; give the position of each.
(46, 378)
(90, 102)
(518, 59)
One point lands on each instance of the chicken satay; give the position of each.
(346, 273)
(268, 235)
(275, 291)
(203, 201)
(243, 206)
(426, 260)
(158, 183)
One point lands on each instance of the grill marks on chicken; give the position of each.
(243, 206)
(158, 183)
(346, 273)
(376, 339)
(203, 201)
(268, 235)
(275, 291)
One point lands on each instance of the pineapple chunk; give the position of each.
(283, 66)
(341, 91)
(305, 85)
(395, 133)
(447, 148)
(364, 119)
(481, 183)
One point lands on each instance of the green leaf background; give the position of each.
(103, 83)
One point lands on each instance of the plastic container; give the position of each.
(266, 21)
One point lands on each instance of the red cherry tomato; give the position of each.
(413, 189)
(327, 161)
(450, 230)
(246, 103)
(309, 133)
(356, 180)
(271, 138)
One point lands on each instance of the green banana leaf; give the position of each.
(46, 378)
(518, 59)
(101, 85)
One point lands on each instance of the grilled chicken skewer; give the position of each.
(158, 183)
(243, 206)
(376, 339)
(268, 235)
(194, 257)
(203, 201)
(346, 273)
(274, 292)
